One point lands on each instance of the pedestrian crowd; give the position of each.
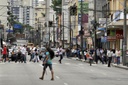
(19, 54)
(105, 56)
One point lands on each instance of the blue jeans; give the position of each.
(118, 60)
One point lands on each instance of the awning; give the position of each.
(118, 23)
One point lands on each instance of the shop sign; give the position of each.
(119, 34)
(111, 38)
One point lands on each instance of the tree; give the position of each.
(55, 4)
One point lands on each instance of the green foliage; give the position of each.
(55, 4)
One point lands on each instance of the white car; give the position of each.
(55, 51)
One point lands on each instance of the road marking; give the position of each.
(40, 65)
(57, 77)
(92, 70)
(80, 64)
(54, 63)
(2, 63)
(104, 74)
(67, 63)
(82, 67)
(118, 79)
(65, 84)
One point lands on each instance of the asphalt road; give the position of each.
(70, 72)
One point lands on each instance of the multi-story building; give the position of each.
(35, 3)
(115, 30)
(3, 17)
(101, 22)
(24, 10)
(40, 20)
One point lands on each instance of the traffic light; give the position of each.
(50, 23)
(73, 10)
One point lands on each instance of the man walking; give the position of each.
(4, 52)
(61, 54)
(109, 54)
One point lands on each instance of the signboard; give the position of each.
(111, 38)
(9, 30)
(119, 34)
(17, 26)
(103, 39)
(18, 36)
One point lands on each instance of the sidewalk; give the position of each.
(114, 65)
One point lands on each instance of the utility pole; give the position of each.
(63, 31)
(95, 22)
(53, 31)
(107, 14)
(81, 26)
(70, 26)
(124, 34)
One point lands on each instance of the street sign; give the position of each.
(17, 26)
(9, 30)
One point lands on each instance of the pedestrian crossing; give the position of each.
(54, 63)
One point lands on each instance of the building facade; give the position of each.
(117, 24)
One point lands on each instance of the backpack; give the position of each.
(52, 54)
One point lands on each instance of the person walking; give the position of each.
(118, 55)
(4, 52)
(24, 52)
(36, 57)
(98, 56)
(109, 54)
(47, 63)
(60, 54)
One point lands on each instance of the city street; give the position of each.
(70, 72)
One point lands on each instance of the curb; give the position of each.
(122, 67)
(117, 66)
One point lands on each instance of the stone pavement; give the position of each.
(114, 65)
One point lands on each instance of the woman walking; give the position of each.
(48, 63)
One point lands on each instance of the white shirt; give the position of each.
(60, 51)
(118, 53)
(109, 53)
(23, 50)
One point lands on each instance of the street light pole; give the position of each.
(95, 22)
(63, 30)
(124, 34)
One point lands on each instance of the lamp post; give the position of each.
(81, 26)
(1, 41)
(53, 32)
